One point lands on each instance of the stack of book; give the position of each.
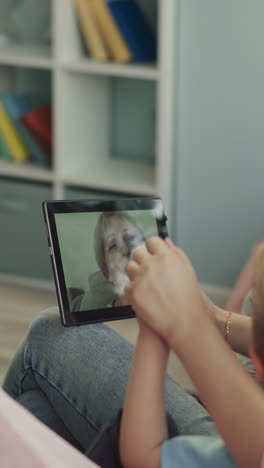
(25, 130)
(116, 30)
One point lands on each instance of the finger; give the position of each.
(170, 244)
(155, 245)
(132, 269)
(184, 257)
(173, 247)
(140, 256)
(177, 250)
(128, 291)
(186, 261)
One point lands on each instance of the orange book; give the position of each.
(90, 30)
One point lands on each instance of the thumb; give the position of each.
(176, 249)
(170, 244)
(180, 253)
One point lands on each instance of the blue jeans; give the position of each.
(74, 380)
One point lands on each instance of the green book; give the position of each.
(4, 152)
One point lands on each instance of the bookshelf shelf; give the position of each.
(146, 72)
(118, 176)
(27, 55)
(26, 171)
(112, 123)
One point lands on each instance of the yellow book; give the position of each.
(90, 30)
(110, 32)
(15, 145)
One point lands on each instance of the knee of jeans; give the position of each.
(47, 321)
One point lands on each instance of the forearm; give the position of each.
(218, 376)
(143, 426)
(244, 282)
(239, 336)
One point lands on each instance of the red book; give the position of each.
(39, 122)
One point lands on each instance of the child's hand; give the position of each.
(164, 290)
(211, 308)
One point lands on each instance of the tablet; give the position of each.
(90, 243)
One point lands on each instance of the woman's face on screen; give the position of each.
(121, 238)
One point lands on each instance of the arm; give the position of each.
(167, 282)
(240, 328)
(240, 333)
(218, 375)
(143, 426)
(244, 282)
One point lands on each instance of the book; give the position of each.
(135, 29)
(39, 123)
(117, 46)
(4, 152)
(90, 30)
(16, 147)
(16, 106)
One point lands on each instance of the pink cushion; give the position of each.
(27, 443)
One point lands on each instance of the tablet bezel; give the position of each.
(50, 209)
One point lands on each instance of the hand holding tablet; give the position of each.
(91, 242)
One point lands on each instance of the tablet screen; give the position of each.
(94, 242)
(95, 248)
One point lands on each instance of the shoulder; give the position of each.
(100, 294)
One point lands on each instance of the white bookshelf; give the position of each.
(145, 72)
(26, 171)
(82, 96)
(127, 176)
(27, 55)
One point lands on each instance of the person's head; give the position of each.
(257, 347)
(116, 236)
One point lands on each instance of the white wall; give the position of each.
(219, 172)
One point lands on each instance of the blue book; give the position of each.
(135, 29)
(17, 105)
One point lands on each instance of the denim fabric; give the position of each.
(74, 380)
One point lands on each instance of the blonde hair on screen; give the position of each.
(99, 237)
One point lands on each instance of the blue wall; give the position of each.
(220, 134)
